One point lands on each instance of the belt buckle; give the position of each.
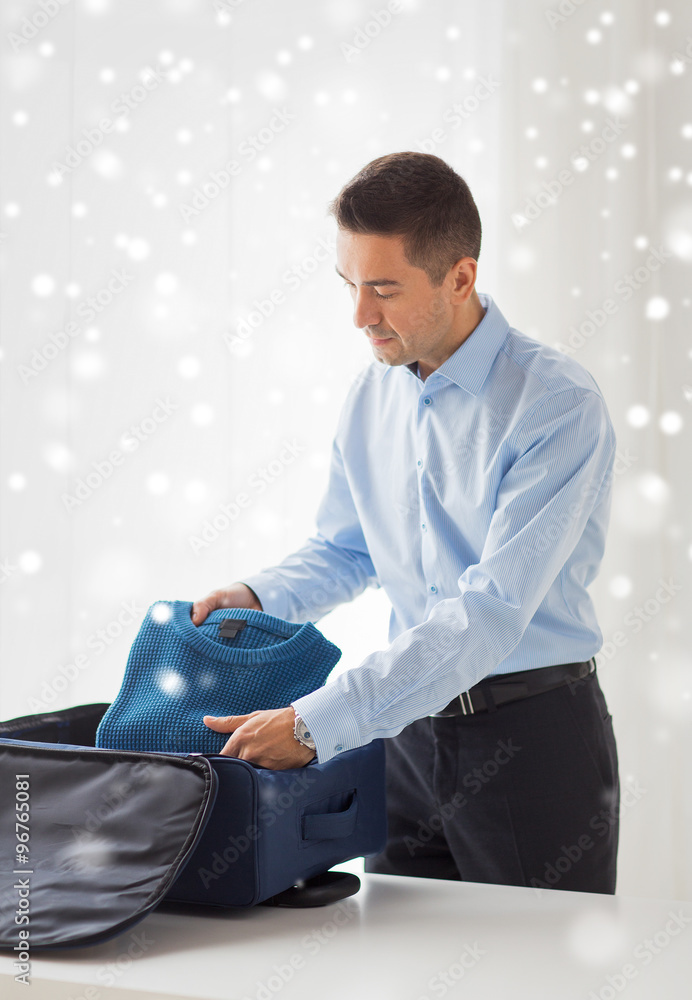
(470, 710)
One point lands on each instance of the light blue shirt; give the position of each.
(479, 500)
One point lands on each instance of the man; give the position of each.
(470, 477)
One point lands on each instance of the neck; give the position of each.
(470, 318)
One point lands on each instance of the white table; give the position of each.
(396, 939)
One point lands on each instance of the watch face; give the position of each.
(303, 733)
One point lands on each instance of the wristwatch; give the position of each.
(302, 733)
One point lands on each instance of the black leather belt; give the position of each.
(501, 689)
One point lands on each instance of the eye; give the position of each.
(378, 296)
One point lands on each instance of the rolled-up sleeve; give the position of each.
(563, 455)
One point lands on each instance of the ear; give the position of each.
(463, 279)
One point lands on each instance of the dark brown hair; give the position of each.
(419, 197)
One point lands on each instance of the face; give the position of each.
(403, 316)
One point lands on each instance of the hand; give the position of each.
(264, 738)
(238, 595)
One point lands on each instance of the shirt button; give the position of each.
(427, 400)
(338, 747)
(419, 463)
(433, 588)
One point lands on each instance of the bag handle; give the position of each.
(329, 826)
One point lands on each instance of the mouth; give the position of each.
(379, 340)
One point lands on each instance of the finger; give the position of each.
(224, 723)
(200, 609)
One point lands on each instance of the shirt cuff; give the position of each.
(272, 595)
(330, 720)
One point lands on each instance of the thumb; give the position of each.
(223, 723)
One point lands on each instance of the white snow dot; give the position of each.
(686, 131)
(670, 422)
(107, 75)
(657, 307)
(183, 135)
(270, 85)
(233, 95)
(43, 285)
(16, 481)
(165, 57)
(321, 98)
(161, 612)
(106, 164)
(20, 118)
(620, 586)
(638, 416)
(631, 87)
(305, 42)
(46, 49)
(540, 85)
(442, 73)
(284, 57)
(607, 17)
(87, 364)
(138, 248)
(189, 366)
(29, 561)
(196, 491)
(157, 483)
(628, 150)
(201, 414)
(592, 97)
(166, 284)
(662, 18)
(79, 210)
(531, 132)
(73, 289)
(641, 242)
(593, 36)
(612, 173)
(452, 33)
(12, 209)
(58, 456)
(171, 682)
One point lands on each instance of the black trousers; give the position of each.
(526, 795)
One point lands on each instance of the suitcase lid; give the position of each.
(105, 835)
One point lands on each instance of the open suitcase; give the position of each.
(91, 840)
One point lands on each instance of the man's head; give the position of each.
(408, 243)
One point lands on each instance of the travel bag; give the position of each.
(93, 838)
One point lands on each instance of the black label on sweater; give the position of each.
(229, 627)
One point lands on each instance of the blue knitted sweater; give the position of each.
(178, 672)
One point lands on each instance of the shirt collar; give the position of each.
(470, 364)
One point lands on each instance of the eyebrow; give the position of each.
(376, 281)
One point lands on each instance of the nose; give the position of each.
(365, 311)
